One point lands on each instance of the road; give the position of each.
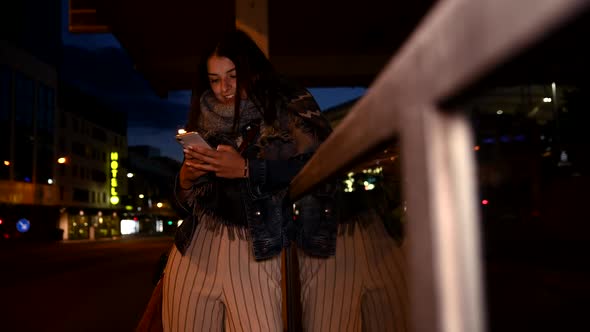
(538, 285)
(105, 285)
(78, 285)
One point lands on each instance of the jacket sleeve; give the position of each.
(186, 197)
(308, 128)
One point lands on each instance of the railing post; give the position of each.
(443, 222)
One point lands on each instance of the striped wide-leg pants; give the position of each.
(219, 286)
(362, 288)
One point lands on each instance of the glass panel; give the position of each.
(533, 173)
(24, 94)
(24, 101)
(5, 94)
(46, 110)
(5, 121)
(367, 277)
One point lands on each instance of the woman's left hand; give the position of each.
(225, 162)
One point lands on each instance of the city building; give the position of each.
(91, 165)
(63, 155)
(63, 152)
(28, 106)
(64, 171)
(150, 200)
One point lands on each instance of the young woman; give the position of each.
(224, 271)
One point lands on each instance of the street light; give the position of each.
(62, 160)
(130, 175)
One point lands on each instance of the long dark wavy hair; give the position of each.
(255, 76)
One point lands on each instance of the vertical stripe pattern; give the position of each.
(219, 286)
(362, 288)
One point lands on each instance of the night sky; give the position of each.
(98, 65)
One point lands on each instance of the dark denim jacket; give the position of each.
(271, 222)
(267, 210)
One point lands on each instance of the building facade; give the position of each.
(27, 143)
(150, 201)
(92, 161)
(63, 155)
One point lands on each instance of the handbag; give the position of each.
(151, 320)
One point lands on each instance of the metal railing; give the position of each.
(457, 43)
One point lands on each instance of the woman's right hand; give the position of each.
(189, 172)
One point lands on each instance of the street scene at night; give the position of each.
(398, 166)
(78, 285)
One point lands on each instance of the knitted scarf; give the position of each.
(216, 120)
(214, 200)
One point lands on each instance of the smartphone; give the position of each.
(192, 138)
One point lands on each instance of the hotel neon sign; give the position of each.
(114, 170)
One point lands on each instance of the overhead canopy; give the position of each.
(319, 43)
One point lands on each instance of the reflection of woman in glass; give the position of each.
(363, 287)
(224, 272)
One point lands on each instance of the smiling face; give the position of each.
(222, 78)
